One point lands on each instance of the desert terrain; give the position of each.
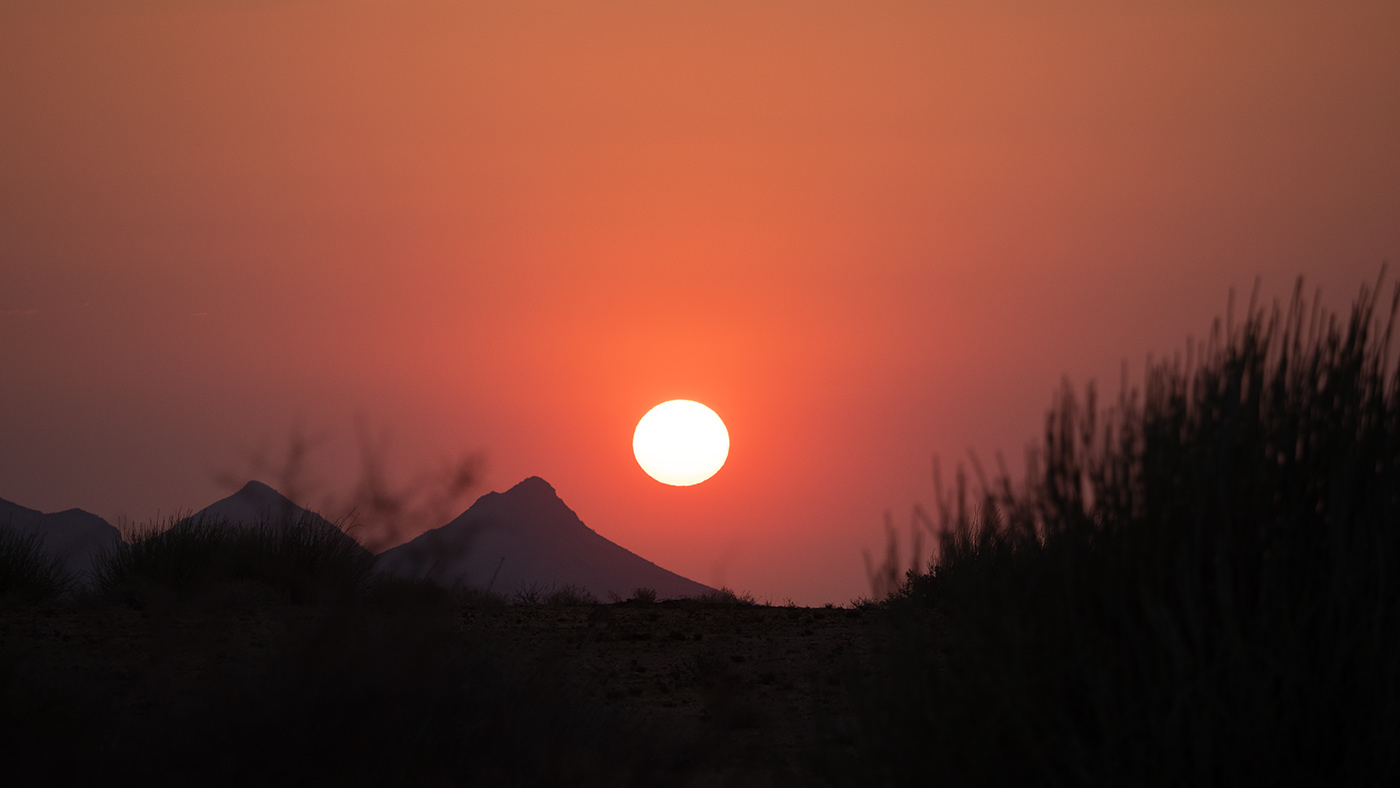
(700, 694)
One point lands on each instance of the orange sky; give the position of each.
(862, 232)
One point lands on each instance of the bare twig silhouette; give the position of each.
(375, 509)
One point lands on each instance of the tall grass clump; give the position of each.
(1199, 586)
(27, 572)
(294, 561)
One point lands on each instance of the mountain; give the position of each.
(527, 537)
(73, 535)
(257, 504)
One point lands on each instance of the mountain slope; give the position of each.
(527, 537)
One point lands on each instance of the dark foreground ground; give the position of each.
(673, 692)
(762, 688)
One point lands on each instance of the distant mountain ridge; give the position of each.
(528, 537)
(74, 536)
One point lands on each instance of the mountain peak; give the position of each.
(259, 491)
(531, 502)
(74, 536)
(255, 503)
(533, 486)
(255, 487)
(528, 537)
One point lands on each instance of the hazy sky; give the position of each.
(862, 232)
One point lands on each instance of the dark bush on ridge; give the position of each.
(26, 572)
(540, 594)
(569, 594)
(725, 596)
(294, 561)
(1202, 588)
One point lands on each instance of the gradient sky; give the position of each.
(864, 233)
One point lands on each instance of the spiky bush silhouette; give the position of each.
(1201, 586)
(27, 572)
(295, 561)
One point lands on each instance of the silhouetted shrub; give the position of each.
(571, 595)
(644, 595)
(529, 594)
(726, 596)
(1201, 588)
(293, 561)
(27, 572)
(540, 594)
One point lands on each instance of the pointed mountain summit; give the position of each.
(74, 536)
(258, 505)
(528, 537)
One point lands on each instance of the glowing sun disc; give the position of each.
(680, 443)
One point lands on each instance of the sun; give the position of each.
(680, 443)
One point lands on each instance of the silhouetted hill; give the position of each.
(257, 504)
(73, 535)
(528, 537)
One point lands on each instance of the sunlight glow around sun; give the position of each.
(680, 443)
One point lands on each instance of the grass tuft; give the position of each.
(1199, 586)
(27, 572)
(294, 562)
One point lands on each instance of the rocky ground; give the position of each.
(756, 694)
(763, 687)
